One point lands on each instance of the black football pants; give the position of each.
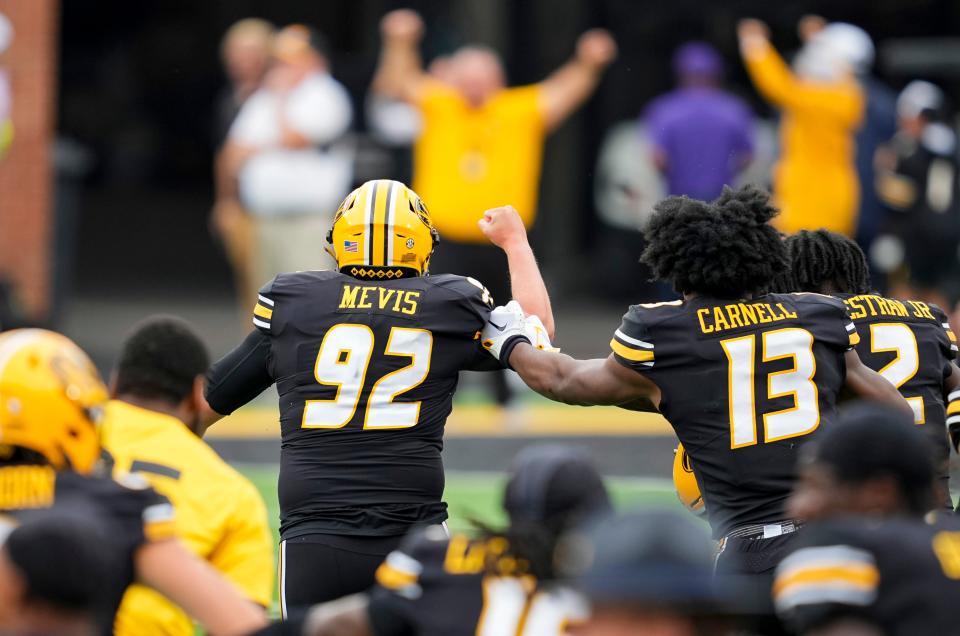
(317, 568)
(753, 561)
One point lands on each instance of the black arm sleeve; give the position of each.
(241, 375)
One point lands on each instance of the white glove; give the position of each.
(537, 333)
(505, 323)
(507, 326)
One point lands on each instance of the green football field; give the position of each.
(477, 495)
(473, 496)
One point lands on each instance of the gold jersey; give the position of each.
(220, 515)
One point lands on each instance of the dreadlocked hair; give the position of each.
(822, 261)
(532, 545)
(725, 249)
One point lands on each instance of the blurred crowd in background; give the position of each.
(849, 154)
(294, 131)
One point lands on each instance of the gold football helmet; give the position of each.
(51, 398)
(688, 490)
(382, 231)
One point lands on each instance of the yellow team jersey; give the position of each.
(467, 160)
(815, 182)
(220, 516)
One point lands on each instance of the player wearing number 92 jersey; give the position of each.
(366, 361)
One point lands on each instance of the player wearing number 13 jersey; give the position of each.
(744, 378)
(366, 362)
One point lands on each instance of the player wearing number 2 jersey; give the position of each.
(910, 343)
(366, 361)
(743, 378)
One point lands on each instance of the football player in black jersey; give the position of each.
(909, 342)
(744, 378)
(366, 360)
(500, 583)
(869, 562)
(50, 403)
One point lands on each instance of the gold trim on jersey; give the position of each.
(263, 312)
(861, 576)
(27, 487)
(394, 579)
(634, 355)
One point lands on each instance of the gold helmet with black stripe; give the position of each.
(382, 231)
(51, 399)
(685, 482)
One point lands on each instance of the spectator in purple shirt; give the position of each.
(701, 134)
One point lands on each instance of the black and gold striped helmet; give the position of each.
(382, 231)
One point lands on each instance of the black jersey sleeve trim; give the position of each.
(241, 375)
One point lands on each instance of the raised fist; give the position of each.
(503, 227)
(597, 48)
(750, 28)
(402, 24)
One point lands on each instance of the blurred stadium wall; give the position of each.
(26, 194)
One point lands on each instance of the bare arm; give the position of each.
(193, 585)
(952, 381)
(774, 80)
(870, 385)
(582, 382)
(504, 228)
(400, 73)
(347, 616)
(571, 84)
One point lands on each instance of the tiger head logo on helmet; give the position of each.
(382, 231)
(685, 482)
(51, 399)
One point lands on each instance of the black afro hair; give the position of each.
(725, 249)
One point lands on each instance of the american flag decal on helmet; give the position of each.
(351, 246)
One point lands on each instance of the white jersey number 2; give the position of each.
(898, 338)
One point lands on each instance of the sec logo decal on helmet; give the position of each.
(685, 482)
(382, 231)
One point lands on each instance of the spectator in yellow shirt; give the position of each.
(152, 427)
(821, 106)
(480, 144)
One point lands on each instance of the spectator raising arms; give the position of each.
(815, 181)
(481, 143)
